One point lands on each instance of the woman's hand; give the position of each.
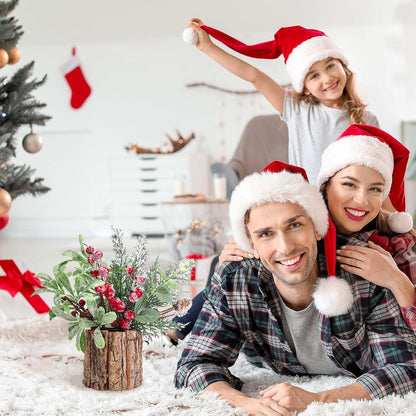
(232, 252)
(375, 264)
(204, 40)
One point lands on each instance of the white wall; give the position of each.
(139, 94)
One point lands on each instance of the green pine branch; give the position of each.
(7, 6)
(16, 180)
(18, 108)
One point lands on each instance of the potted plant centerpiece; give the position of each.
(112, 307)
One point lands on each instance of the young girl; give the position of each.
(358, 172)
(322, 101)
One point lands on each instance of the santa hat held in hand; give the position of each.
(281, 182)
(300, 47)
(372, 147)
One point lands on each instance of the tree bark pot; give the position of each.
(117, 366)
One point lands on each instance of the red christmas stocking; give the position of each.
(76, 80)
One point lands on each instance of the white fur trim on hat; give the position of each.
(306, 54)
(400, 222)
(357, 150)
(260, 188)
(333, 296)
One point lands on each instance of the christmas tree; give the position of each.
(17, 108)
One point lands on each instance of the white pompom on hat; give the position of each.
(333, 296)
(300, 47)
(190, 36)
(372, 147)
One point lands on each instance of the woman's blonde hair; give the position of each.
(352, 103)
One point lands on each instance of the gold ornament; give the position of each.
(4, 58)
(5, 202)
(14, 55)
(32, 142)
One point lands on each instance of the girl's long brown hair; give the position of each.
(351, 101)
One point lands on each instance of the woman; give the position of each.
(358, 172)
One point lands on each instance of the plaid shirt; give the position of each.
(242, 312)
(402, 248)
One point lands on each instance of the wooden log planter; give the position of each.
(117, 366)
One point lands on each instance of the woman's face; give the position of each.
(354, 196)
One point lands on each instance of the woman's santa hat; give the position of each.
(280, 182)
(300, 47)
(372, 147)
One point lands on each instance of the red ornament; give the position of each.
(4, 221)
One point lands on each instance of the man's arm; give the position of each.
(296, 399)
(389, 345)
(214, 344)
(260, 406)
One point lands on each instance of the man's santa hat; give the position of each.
(281, 182)
(372, 147)
(300, 47)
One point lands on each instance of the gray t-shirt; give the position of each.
(311, 129)
(301, 330)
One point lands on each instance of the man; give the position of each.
(266, 308)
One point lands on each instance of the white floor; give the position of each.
(40, 255)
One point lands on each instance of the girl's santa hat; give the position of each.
(372, 147)
(281, 182)
(300, 47)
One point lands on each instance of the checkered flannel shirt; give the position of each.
(402, 248)
(371, 342)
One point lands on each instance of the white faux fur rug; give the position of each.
(41, 374)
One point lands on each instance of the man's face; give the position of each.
(286, 241)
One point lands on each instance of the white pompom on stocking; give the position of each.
(400, 222)
(190, 36)
(333, 296)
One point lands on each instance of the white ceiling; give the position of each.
(91, 21)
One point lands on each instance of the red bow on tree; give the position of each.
(14, 282)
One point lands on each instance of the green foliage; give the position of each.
(18, 108)
(125, 295)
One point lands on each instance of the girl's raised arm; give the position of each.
(271, 90)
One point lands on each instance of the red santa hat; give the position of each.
(281, 182)
(300, 47)
(370, 146)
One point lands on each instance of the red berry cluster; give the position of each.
(107, 289)
(78, 307)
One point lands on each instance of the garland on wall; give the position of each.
(225, 120)
(204, 84)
